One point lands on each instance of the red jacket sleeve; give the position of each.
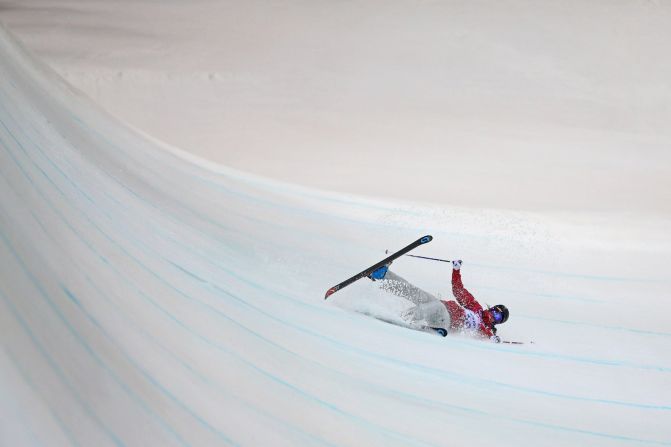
(486, 331)
(466, 299)
(462, 295)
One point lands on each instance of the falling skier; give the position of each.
(463, 315)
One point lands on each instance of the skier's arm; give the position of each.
(487, 332)
(463, 296)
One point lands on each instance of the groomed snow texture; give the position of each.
(150, 298)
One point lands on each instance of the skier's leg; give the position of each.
(398, 286)
(428, 309)
(433, 314)
(436, 315)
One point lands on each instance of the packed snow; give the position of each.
(156, 291)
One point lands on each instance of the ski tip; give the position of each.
(330, 292)
(425, 239)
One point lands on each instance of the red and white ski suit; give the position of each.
(466, 313)
(463, 315)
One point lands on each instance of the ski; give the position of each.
(442, 332)
(421, 241)
(439, 331)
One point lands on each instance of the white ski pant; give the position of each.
(427, 310)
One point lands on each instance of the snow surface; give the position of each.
(518, 104)
(149, 297)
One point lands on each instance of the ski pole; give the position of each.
(433, 259)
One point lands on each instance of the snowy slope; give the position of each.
(520, 104)
(150, 298)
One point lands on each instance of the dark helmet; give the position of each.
(501, 310)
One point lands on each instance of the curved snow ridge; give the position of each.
(150, 299)
(201, 280)
(370, 354)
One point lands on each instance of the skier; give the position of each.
(464, 315)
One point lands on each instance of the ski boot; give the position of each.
(379, 273)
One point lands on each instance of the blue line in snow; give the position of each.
(361, 421)
(59, 372)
